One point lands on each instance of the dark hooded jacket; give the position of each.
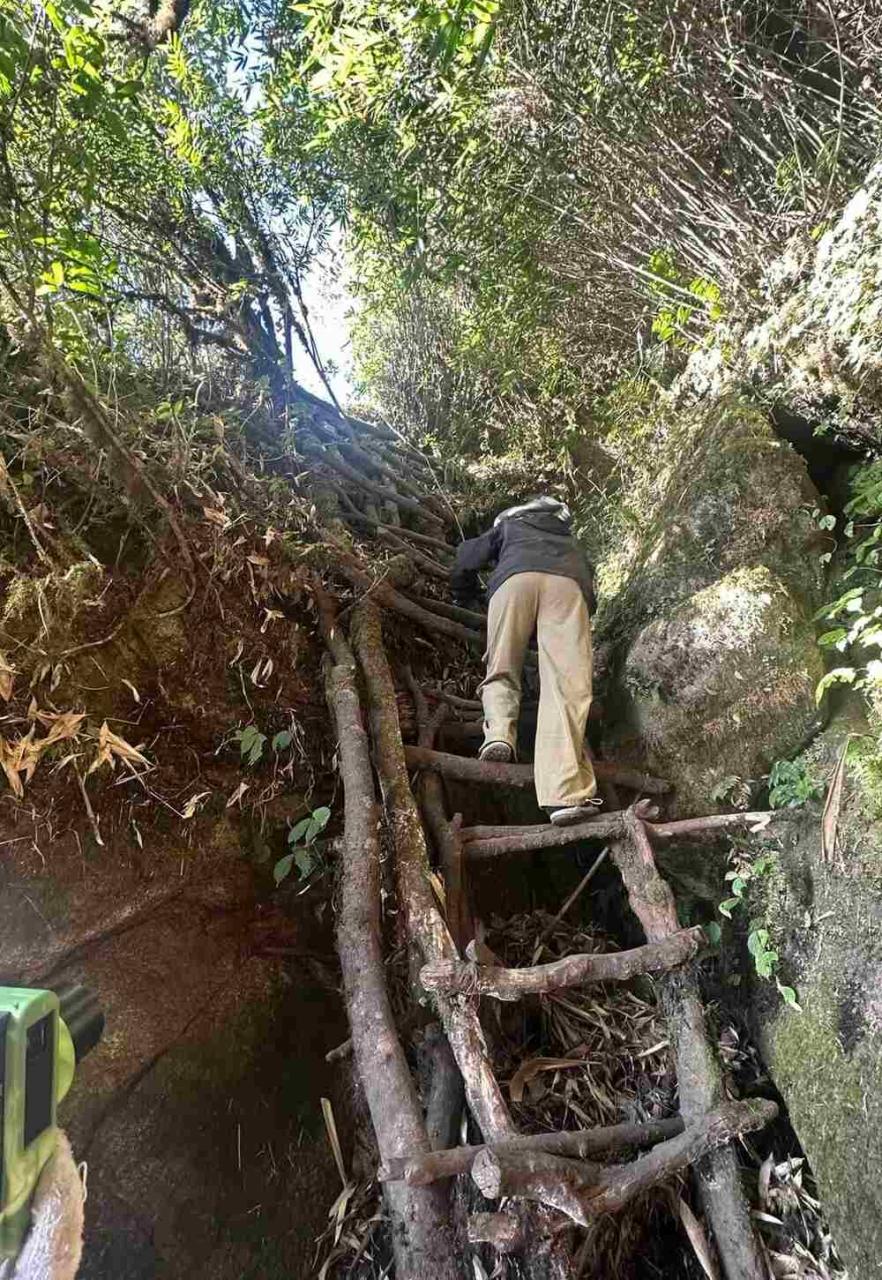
(527, 541)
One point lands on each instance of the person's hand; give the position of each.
(54, 1244)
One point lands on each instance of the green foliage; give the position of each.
(792, 785)
(857, 611)
(146, 215)
(766, 959)
(682, 300)
(251, 743)
(506, 159)
(302, 837)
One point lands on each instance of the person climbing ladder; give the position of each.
(542, 581)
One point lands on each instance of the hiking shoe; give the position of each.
(496, 753)
(568, 815)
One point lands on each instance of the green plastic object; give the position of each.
(37, 1063)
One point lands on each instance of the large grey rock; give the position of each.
(825, 920)
(722, 686)
(724, 493)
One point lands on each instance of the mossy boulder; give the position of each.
(825, 919)
(725, 493)
(721, 686)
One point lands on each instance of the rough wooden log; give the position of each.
(444, 834)
(406, 463)
(450, 976)
(448, 844)
(392, 538)
(369, 520)
(537, 1175)
(550, 1257)
(423, 921)
(332, 458)
(495, 841)
(469, 617)
(692, 827)
(444, 1095)
(712, 1132)
(577, 1143)
(698, 1070)
(541, 836)
(467, 769)
(391, 599)
(422, 1236)
(584, 1191)
(461, 704)
(373, 460)
(503, 1231)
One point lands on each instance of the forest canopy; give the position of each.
(536, 196)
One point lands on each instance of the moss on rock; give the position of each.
(722, 686)
(824, 916)
(826, 922)
(47, 609)
(727, 494)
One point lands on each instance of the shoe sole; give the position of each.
(574, 819)
(500, 754)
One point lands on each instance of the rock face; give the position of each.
(713, 666)
(822, 331)
(723, 685)
(714, 659)
(825, 918)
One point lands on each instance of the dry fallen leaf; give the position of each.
(135, 694)
(9, 761)
(20, 758)
(7, 679)
(533, 1067)
(830, 816)
(237, 794)
(111, 746)
(194, 803)
(215, 516)
(271, 615)
(698, 1240)
(61, 725)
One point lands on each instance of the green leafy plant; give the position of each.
(731, 789)
(791, 785)
(857, 612)
(765, 958)
(302, 838)
(251, 743)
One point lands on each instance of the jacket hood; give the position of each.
(538, 507)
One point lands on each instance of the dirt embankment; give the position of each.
(138, 835)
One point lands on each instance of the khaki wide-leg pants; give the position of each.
(556, 607)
